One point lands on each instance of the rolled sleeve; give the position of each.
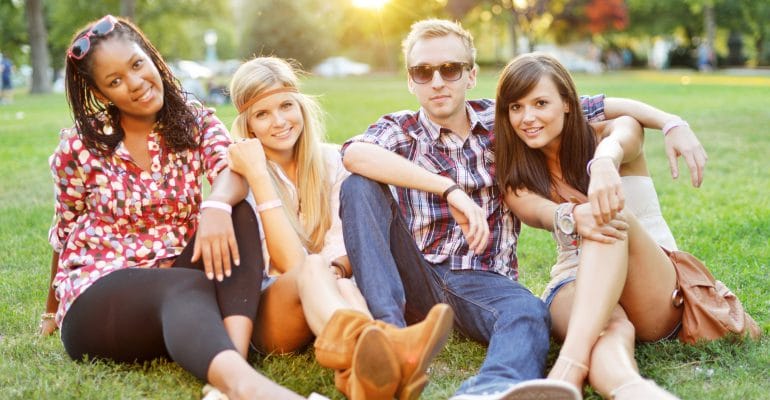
(214, 140)
(593, 107)
(386, 133)
(69, 187)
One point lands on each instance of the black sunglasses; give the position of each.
(80, 47)
(449, 72)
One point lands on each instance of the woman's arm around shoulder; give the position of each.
(679, 139)
(620, 143)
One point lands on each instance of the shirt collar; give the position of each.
(435, 130)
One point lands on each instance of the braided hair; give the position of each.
(99, 124)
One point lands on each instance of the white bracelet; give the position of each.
(219, 205)
(269, 205)
(673, 124)
(591, 161)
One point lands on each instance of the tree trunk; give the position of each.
(128, 9)
(38, 41)
(514, 34)
(711, 31)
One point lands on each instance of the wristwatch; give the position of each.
(565, 221)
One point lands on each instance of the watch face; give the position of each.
(566, 225)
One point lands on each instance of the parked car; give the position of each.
(340, 66)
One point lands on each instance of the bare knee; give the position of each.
(619, 325)
(314, 269)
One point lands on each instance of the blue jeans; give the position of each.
(400, 285)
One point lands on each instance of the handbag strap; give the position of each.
(568, 193)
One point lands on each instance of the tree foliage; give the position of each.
(376, 35)
(301, 30)
(175, 27)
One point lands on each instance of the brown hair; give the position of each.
(521, 167)
(176, 119)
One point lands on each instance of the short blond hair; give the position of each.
(436, 28)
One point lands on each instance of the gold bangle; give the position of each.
(47, 316)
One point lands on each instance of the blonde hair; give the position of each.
(436, 28)
(313, 188)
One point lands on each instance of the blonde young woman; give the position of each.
(613, 282)
(295, 180)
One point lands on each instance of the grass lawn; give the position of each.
(726, 223)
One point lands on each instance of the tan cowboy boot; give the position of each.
(334, 346)
(375, 373)
(416, 346)
(364, 362)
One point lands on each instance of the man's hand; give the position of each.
(681, 141)
(471, 218)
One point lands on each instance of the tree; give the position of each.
(604, 15)
(377, 35)
(38, 39)
(302, 30)
(128, 8)
(175, 27)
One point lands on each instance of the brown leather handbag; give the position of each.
(711, 310)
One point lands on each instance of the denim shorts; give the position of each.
(549, 299)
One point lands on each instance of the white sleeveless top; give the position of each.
(642, 201)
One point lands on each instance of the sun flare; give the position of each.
(371, 4)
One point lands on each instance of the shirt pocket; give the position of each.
(438, 163)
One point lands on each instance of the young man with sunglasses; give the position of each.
(440, 232)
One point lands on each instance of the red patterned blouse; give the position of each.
(110, 214)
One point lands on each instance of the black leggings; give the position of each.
(138, 314)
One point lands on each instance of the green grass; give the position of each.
(726, 223)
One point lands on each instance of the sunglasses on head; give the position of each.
(450, 71)
(80, 47)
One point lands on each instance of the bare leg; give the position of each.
(612, 358)
(232, 375)
(239, 329)
(635, 273)
(320, 294)
(281, 326)
(614, 373)
(352, 295)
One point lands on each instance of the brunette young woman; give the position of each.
(295, 182)
(143, 267)
(589, 185)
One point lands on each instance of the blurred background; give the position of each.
(205, 40)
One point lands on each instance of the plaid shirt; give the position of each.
(468, 162)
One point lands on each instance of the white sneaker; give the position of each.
(212, 393)
(536, 389)
(316, 396)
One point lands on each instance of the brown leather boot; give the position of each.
(415, 347)
(335, 345)
(361, 355)
(375, 373)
